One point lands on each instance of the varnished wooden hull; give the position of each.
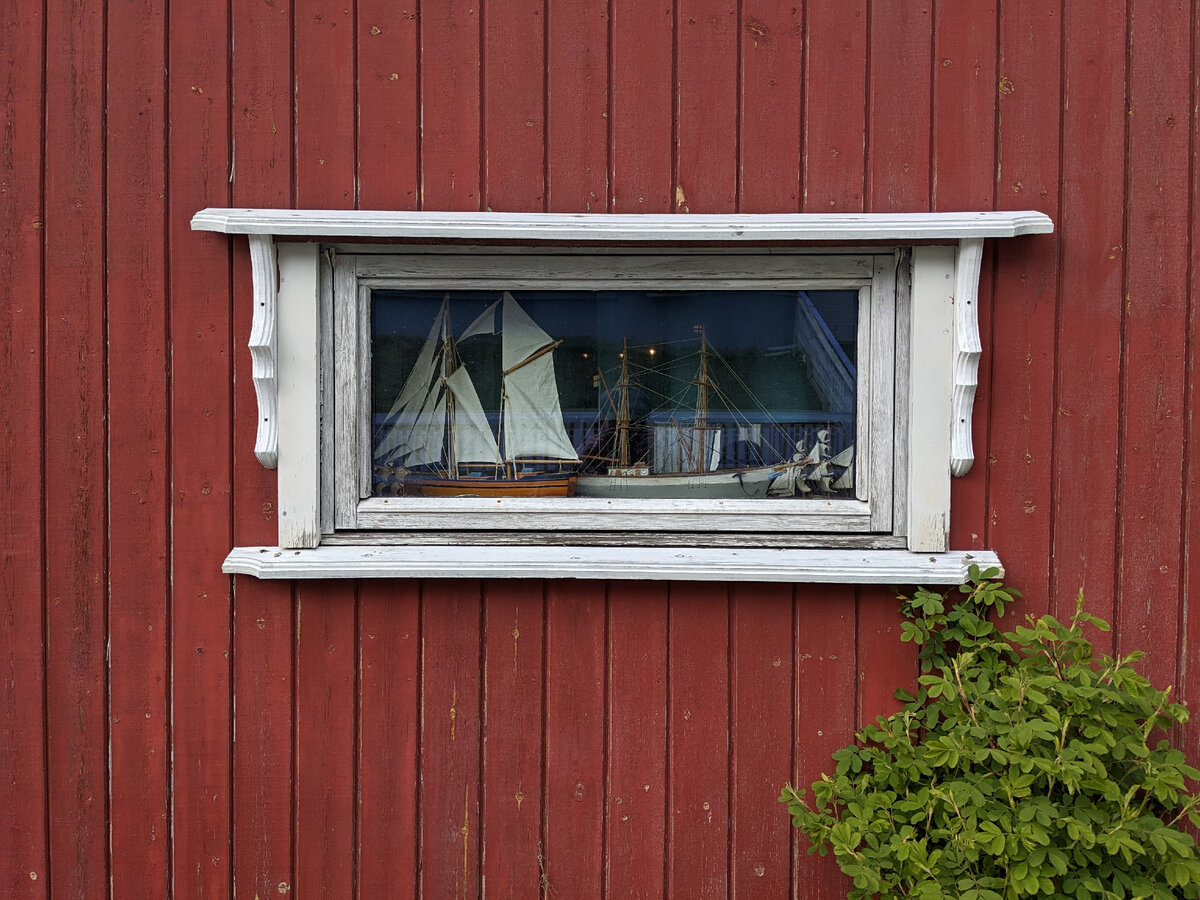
(528, 486)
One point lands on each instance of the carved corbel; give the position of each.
(967, 350)
(262, 346)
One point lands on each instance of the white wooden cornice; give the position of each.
(967, 229)
(888, 567)
(498, 226)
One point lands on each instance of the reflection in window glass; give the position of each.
(624, 393)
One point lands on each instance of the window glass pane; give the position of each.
(624, 393)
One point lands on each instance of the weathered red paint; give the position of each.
(170, 730)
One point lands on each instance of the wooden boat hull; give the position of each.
(730, 484)
(537, 485)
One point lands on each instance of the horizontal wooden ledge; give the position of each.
(790, 227)
(817, 566)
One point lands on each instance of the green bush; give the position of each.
(1021, 768)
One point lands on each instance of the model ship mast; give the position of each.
(702, 382)
(623, 408)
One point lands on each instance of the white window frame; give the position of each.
(935, 367)
(346, 476)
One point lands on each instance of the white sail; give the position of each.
(533, 420)
(682, 448)
(417, 385)
(521, 337)
(814, 455)
(846, 481)
(416, 393)
(750, 432)
(789, 482)
(473, 438)
(429, 432)
(485, 323)
(822, 478)
(845, 458)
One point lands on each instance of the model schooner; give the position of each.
(681, 457)
(437, 439)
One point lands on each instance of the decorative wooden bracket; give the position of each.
(967, 350)
(262, 347)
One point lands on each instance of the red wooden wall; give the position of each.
(169, 731)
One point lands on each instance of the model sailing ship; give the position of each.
(685, 458)
(437, 439)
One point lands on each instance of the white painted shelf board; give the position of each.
(790, 227)
(889, 567)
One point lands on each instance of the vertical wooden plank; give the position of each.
(1090, 226)
(325, 732)
(514, 109)
(388, 85)
(641, 76)
(963, 177)
(74, 449)
(1023, 321)
(326, 637)
(264, 651)
(513, 738)
(772, 43)
(577, 106)
(825, 671)
(833, 160)
(884, 662)
(964, 105)
(898, 155)
(575, 782)
(24, 868)
(706, 106)
(263, 615)
(200, 413)
(450, 105)
(325, 104)
(835, 102)
(135, 189)
(761, 725)
(898, 180)
(698, 710)
(388, 727)
(1156, 318)
(1189, 650)
(388, 82)
(635, 814)
(449, 753)
(706, 181)
(450, 740)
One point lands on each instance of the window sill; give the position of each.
(814, 566)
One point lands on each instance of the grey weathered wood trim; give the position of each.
(888, 567)
(299, 479)
(737, 539)
(533, 270)
(587, 513)
(492, 226)
(930, 347)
